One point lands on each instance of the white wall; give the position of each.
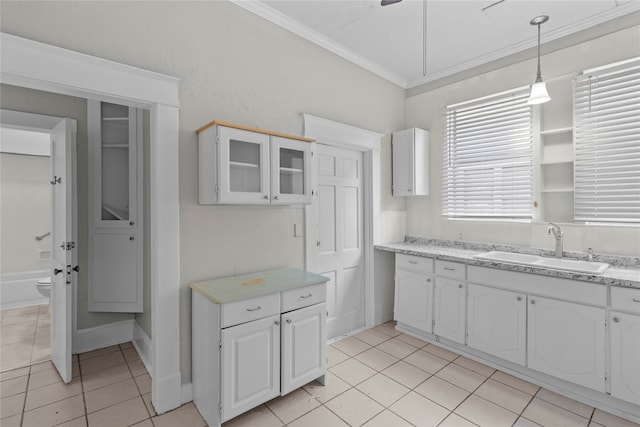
(232, 66)
(425, 110)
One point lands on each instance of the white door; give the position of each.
(303, 346)
(625, 356)
(414, 300)
(63, 238)
(449, 312)
(497, 322)
(339, 226)
(567, 340)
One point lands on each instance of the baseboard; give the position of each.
(186, 394)
(103, 336)
(142, 343)
(381, 317)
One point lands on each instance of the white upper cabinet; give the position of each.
(240, 165)
(410, 151)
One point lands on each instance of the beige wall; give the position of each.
(25, 212)
(425, 111)
(232, 66)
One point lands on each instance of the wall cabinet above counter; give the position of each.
(242, 165)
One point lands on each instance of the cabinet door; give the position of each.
(290, 171)
(414, 299)
(496, 322)
(303, 346)
(625, 356)
(115, 151)
(403, 163)
(115, 273)
(566, 340)
(250, 365)
(243, 166)
(449, 311)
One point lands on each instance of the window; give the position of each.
(487, 165)
(607, 144)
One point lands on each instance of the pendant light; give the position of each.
(539, 92)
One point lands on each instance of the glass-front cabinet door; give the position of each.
(291, 162)
(115, 189)
(244, 167)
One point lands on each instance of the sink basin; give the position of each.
(538, 261)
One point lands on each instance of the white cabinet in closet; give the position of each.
(115, 208)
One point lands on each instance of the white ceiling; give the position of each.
(461, 34)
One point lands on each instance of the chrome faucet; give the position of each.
(557, 233)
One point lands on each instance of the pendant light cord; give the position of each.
(424, 38)
(539, 75)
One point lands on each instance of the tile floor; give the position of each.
(378, 377)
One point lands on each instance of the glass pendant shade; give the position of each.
(539, 94)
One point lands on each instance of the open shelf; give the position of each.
(556, 131)
(291, 170)
(558, 190)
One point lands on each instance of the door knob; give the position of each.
(57, 271)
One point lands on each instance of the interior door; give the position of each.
(339, 230)
(63, 252)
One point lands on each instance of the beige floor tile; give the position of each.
(19, 358)
(11, 405)
(610, 420)
(387, 418)
(104, 361)
(372, 337)
(455, 420)
(16, 320)
(126, 345)
(98, 352)
(351, 346)
(354, 407)
(14, 373)
(352, 371)
(130, 355)
(257, 417)
(335, 356)
(110, 395)
(144, 383)
(137, 368)
(485, 413)
(426, 361)
(388, 328)
(76, 422)
(13, 386)
(419, 410)
(145, 423)
(442, 392)
(523, 422)
(54, 413)
(12, 421)
(185, 416)
(332, 388)
(546, 414)
(406, 374)
(383, 389)
(579, 408)
(441, 352)
(293, 405)
(105, 377)
(40, 354)
(52, 393)
(462, 377)
(376, 359)
(149, 405)
(43, 378)
(416, 342)
(319, 417)
(125, 414)
(516, 383)
(42, 366)
(397, 348)
(472, 365)
(503, 395)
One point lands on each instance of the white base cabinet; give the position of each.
(414, 297)
(625, 356)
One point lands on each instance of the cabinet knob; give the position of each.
(275, 197)
(616, 319)
(533, 301)
(57, 271)
(266, 197)
(277, 322)
(519, 298)
(460, 285)
(428, 280)
(288, 320)
(132, 238)
(131, 223)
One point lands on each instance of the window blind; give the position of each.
(607, 144)
(487, 158)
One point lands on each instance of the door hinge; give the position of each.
(220, 346)
(67, 246)
(318, 243)
(220, 408)
(217, 140)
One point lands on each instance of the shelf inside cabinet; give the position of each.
(556, 131)
(115, 119)
(117, 213)
(244, 165)
(291, 170)
(556, 162)
(558, 190)
(115, 146)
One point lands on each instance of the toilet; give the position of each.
(44, 286)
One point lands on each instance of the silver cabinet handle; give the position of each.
(254, 309)
(306, 296)
(288, 320)
(413, 262)
(450, 269)
(616, 319)
(635, 299)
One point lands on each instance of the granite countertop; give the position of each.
(623, 271)
(234, 288)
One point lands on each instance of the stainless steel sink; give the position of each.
(544, 262)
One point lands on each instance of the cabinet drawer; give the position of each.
(303, 297)
(625, 299)
(250, 309)
(453, 270)
(416, 263)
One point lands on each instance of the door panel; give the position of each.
(339, 223)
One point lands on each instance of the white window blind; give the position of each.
(607, 144)
(487, 164)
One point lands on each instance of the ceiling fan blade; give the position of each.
(388, 2)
